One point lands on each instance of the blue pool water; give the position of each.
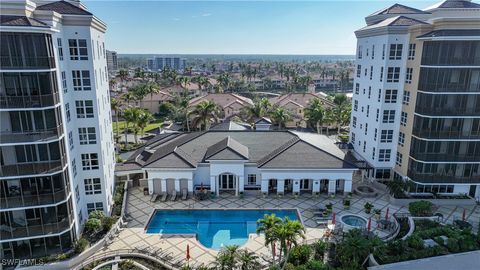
(214, 228)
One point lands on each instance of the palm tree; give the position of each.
(151, 88)
(204, 113)
(354, 248)
(248, 260)
(288, 233)
(123, 74)
(227, 258)
(224, 81)
(131, 115)
(116, 105)
(340, 99)
(328, 118)
(129, 96)
(315, 114)
(281, 117)
(267, 226)
(144, 118)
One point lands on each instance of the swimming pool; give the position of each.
(214, 228)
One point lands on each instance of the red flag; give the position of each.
(333, 218)
(464, 214)
(369, 226)
(188, 252)
(386, 214)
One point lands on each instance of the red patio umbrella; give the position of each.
(188, 252)
(333, 218)
(386, 214)
(369, 226)
(464, 214)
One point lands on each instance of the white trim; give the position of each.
(447, 116)
(37, 206)
(32, 109)
(34, 142)
(33, 175)
(28, 70)
(445, 162)
(448, 93)
(428, 66)
(40, 236)
(444, 140)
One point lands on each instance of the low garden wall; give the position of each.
(456, 202)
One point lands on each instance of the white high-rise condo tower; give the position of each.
(416, 102)
(56, 143)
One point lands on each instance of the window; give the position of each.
(92, 186)
(399, 159)
(384, 155)
(367, 51)
(80, 217)
(78, 49)
(60, 49)
(359, 70)
(74, 168)
(87, 135)
(357, 88)
(411, 51)
(401, 138)
(386, 136)
(364, 146)
(383, 52)
(355, 105)
(98, 206)
(371, 72)
(403, 119)
(70, 140)
(375, 135)
(373, 51)
(77, 193)
(391, 96)
(84, 108)
(368, 110)
(378, 115)
(81, 80)
(354, 121)
(359, 53)
(379, 95)
(388, 116)
(369, 92)
(64, 82)
(373, 153)
(366, 128)
(396, 51)
(252, 180)
(365, 72)
(408, 75)
(353, 138)
(90, 161)
(381, 74)
(406, 97)
(67, 111)
(393, 74)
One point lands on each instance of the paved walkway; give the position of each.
(140, 208)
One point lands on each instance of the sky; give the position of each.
(236, 27)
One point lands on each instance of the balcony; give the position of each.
(21, 230)
(33, 200)
(41, 62)
(33, 168)
(442, 178)
(31, 136)
(447, 111)
(448, 134)
(15, 102)
(439, 157)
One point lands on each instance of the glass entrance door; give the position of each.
(227, 182)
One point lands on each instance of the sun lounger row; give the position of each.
(164, 196)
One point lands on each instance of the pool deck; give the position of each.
(140, 209)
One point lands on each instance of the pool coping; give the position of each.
(297, 211)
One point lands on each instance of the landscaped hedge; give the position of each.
(421, 208)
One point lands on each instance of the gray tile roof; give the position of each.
(8, 20)
(172, 160)
(226, 144)
(230, 125)
(64, 7)
(458, 4)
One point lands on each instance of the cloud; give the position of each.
(176, 19)
(206, 14)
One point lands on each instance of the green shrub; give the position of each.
(319, 249)
(96, 214)
(316, 265)
(421, 208)
(452, 245)
(299, 254)
(81, 245)
(93, 225)
(415, 242)
(107, 223)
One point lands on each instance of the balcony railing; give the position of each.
(444, 157)
(45, 62)
(30, 200)
(31, 136)
(38, 167)
(12, 102)
(441, 178)
(448, 134)
(10, 232)
(447, 111)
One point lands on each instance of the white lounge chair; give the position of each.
(174, 196)
(184, 194)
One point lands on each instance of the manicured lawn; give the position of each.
(121, 126)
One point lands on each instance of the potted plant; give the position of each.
(240, 194)
(265, 194)
(295, 194)
(377, 213)
(346, 204)
(368, 207)
(329, 207)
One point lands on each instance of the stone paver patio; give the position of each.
(140, 208)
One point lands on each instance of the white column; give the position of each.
(163, 184)
(332, 186)
(213, 184)
(190, 185)
(241, 183)
(236, 185)
(316, 186)
(281, 186)
(177, 185)
(347, 185)
(264, 186)
(150, 186)
(296, 185)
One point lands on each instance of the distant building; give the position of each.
(230, 104)
(160, 63)
(112, 63)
